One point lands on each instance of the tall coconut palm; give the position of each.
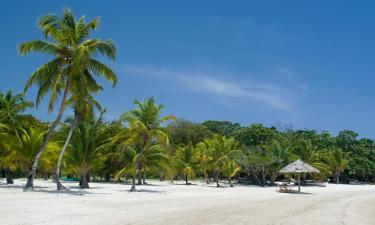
(73, 64)
(221, 150)
(145, 130)
(186, 162)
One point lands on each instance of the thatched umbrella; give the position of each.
(299, 167)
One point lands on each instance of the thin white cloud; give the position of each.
(271, 95)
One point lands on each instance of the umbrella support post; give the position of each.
(299, 183)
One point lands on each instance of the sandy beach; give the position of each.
(165, 203)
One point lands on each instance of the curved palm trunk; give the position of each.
(58, 170)
(30, 177)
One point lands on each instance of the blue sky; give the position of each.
(309, 64)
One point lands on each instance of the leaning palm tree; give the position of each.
(82, 110)
(73, 65)
(145, 130)
(186, 162)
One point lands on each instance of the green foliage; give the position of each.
(220, 150)
(183, 132)
(11, 107)
(224, 128)
(256, 135)
(87, 144)
(73, 66)
(186, 161)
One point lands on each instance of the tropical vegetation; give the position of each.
(143, 142)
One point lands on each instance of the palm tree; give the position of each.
(186, 162)
(10, 108)
(7, 153)
(221, 149)
(23, 147)
(154, 157)
(82, 109)
(279, 151)
(72, 67)
(231, 170)
(337, 161)
(11, 120)
(309, 153)
(204, 160)
(145, 131)
(87, 144)
(129, 156)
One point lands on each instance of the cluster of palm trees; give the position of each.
(214, 155)
(137, 144)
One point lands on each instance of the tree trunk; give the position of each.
(139, 178)
(132, 189)
(217, 179)
(83, 182)
(337, 177)
(263, 176)
(30, 177)
(144, 175)
(186, 179)
(206, 178)
(8, 176)
(58, 170)
(107, 177)
(230, 182)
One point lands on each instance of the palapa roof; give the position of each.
(299, 167)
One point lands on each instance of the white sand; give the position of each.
(164, 203)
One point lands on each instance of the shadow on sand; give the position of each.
(42, 189)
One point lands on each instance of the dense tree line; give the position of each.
(143, 144)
